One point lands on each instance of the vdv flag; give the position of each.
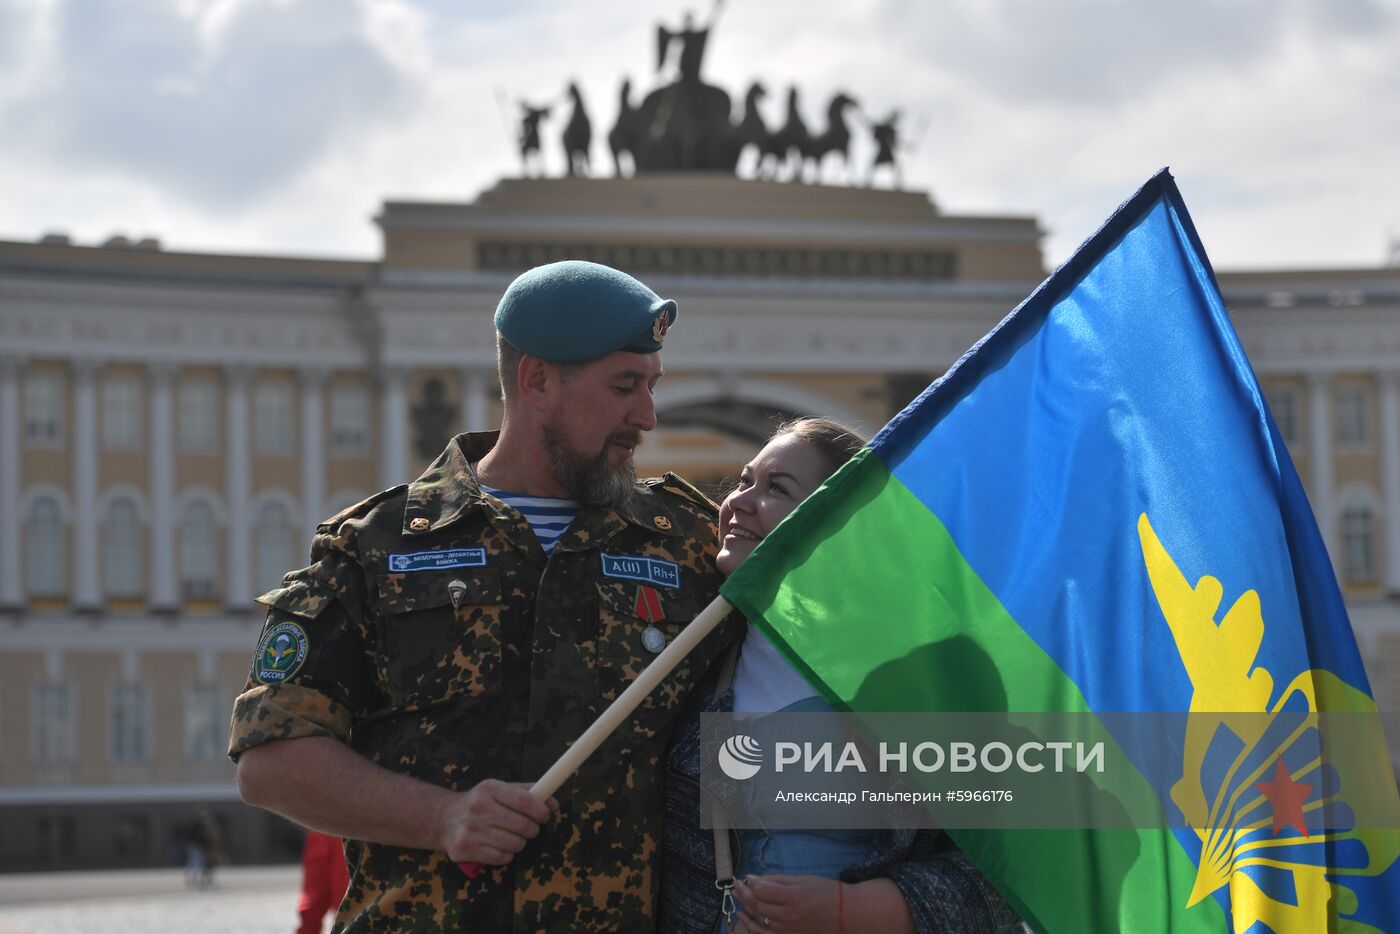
(1093, 511)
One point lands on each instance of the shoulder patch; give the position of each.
(281, 650)
(363, 507)
(684, 489)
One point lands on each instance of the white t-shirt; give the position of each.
(763, 679)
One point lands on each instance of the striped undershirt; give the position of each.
(548, 517)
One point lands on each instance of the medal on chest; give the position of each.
(648, 607)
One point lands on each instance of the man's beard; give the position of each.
(592, 481)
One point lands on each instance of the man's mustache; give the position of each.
(631, 439)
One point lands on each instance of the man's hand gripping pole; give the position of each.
(621, 708)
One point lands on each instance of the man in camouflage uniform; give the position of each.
(433, 656)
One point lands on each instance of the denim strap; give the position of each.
(724, 859)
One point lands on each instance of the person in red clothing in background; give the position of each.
(324, 878)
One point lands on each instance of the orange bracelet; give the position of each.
(840, 907)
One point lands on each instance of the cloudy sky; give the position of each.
(278, 126)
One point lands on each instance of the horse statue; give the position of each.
(751, 130)
(529, 138)
(578, 135)
(789, 145)
(622, 138)
(835, 138)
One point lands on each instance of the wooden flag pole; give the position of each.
(626, 702)
(621, 707)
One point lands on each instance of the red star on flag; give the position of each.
(1286, 797)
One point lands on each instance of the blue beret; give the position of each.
(575, 311)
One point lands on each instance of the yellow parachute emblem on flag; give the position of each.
(1219, 659)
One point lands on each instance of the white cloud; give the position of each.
(134, 90)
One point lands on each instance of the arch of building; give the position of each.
(743, 408)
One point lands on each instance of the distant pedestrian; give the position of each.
(194, 856)
(203, 850)
(324, 879)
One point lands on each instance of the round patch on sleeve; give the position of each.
(280, 653)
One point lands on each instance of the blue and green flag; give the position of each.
(1093, 511)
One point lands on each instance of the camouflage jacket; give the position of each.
(432, 635)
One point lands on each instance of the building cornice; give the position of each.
(709, 230)
(43, 632)
(169, 792)
(182, 324)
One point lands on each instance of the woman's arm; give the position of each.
(932, 887)
(814, 903)
(944, 891)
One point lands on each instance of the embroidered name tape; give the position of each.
(438, 560)
(647, 570)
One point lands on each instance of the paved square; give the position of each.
(243, 900)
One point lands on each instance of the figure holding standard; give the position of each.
(692, 44)
(529, 139)
(685, 125)
(886, 136)
(454, 635)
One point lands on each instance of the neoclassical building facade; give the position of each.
(173, 426)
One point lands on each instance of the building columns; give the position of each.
(393, 426)
(1320, 459)
(238, 479)
(11, 588)
(1390, 475)
(476, 388)
(313, 451)
(87, 590)
(164, 597)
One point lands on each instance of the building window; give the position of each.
(1358, 545)
(1390, 661)
(199, 425)
(131, 723)
(43, 409)
(1352, 428)
(121, 414)
(350, 421)
(54, 730)
(55, 840)
(273, 541)
(272, 418)
(199, 552)
(1284, 405)
(206, 722)
(44, 549)
(123, 547)
(132, 841)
